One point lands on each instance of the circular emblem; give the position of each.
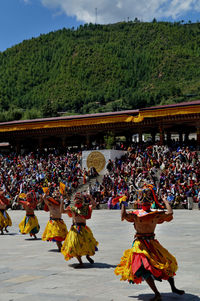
(96, 160)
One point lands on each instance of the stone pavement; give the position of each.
(34, 271)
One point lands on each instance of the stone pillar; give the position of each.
(180, 137)
(128, 138)
(140, 136)
(79, 142)
(198, 138)
(168, 138)
(135, 138)
(186, 137)
(88, 141)
(63, 141)
(40, 144)
(161, 135)
(18, 146)
(101, 139)
(153, 136)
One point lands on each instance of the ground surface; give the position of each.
(34, 271)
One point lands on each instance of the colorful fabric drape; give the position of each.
(79, 242)
(29, 225)
(56, 230)
(147, 257)
(5, 219)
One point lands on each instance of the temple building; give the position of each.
(160, 123)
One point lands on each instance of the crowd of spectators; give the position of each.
(174, 172)
(22, 173)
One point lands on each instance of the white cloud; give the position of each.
(111, 11)
(177, 8)
(197, 6)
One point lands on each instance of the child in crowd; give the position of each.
(29, 224)
(80, 240)
(56, 229)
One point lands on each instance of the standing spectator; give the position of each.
(198, 199)
(170, 198)
(109, 166)
(189, 195)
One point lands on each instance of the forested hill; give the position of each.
(100, 68)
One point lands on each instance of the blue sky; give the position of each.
(23, 19)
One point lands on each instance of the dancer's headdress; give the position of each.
(152, 188)
(79, 196)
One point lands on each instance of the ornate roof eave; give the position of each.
(167, 112)
(72, 130)
(104, 121)
(72, 124)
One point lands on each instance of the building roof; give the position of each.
(71, 117)
(127, 116)
(175, 105)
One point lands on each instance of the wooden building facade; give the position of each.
(60, 132)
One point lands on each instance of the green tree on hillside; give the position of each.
(100, 68)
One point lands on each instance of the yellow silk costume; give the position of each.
(79, 242)
(56, 230)
(146, 257)
(5, 219)
(29, 225)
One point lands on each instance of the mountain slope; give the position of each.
(99, 68)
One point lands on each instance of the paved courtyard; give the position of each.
(34, 271)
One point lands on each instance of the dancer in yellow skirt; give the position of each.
(80, 240)
(5, 220)
(147, 259)
(56, 229)
(3, 217)
(29, 224)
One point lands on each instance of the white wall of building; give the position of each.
(107, 153)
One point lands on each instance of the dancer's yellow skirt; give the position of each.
(146, 258)
(79, 242)
(29, 225)
(56, 230)
(5, 219)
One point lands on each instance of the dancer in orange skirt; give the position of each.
(148, 259)
(56, 229)
(80, 240)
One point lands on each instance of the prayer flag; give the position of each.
(45, 189)
(62, 188)
(22, 195)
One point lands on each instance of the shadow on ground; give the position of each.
(8, 233)
(167, 297)
(32, 238)
(96, 265)
(54, 250)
